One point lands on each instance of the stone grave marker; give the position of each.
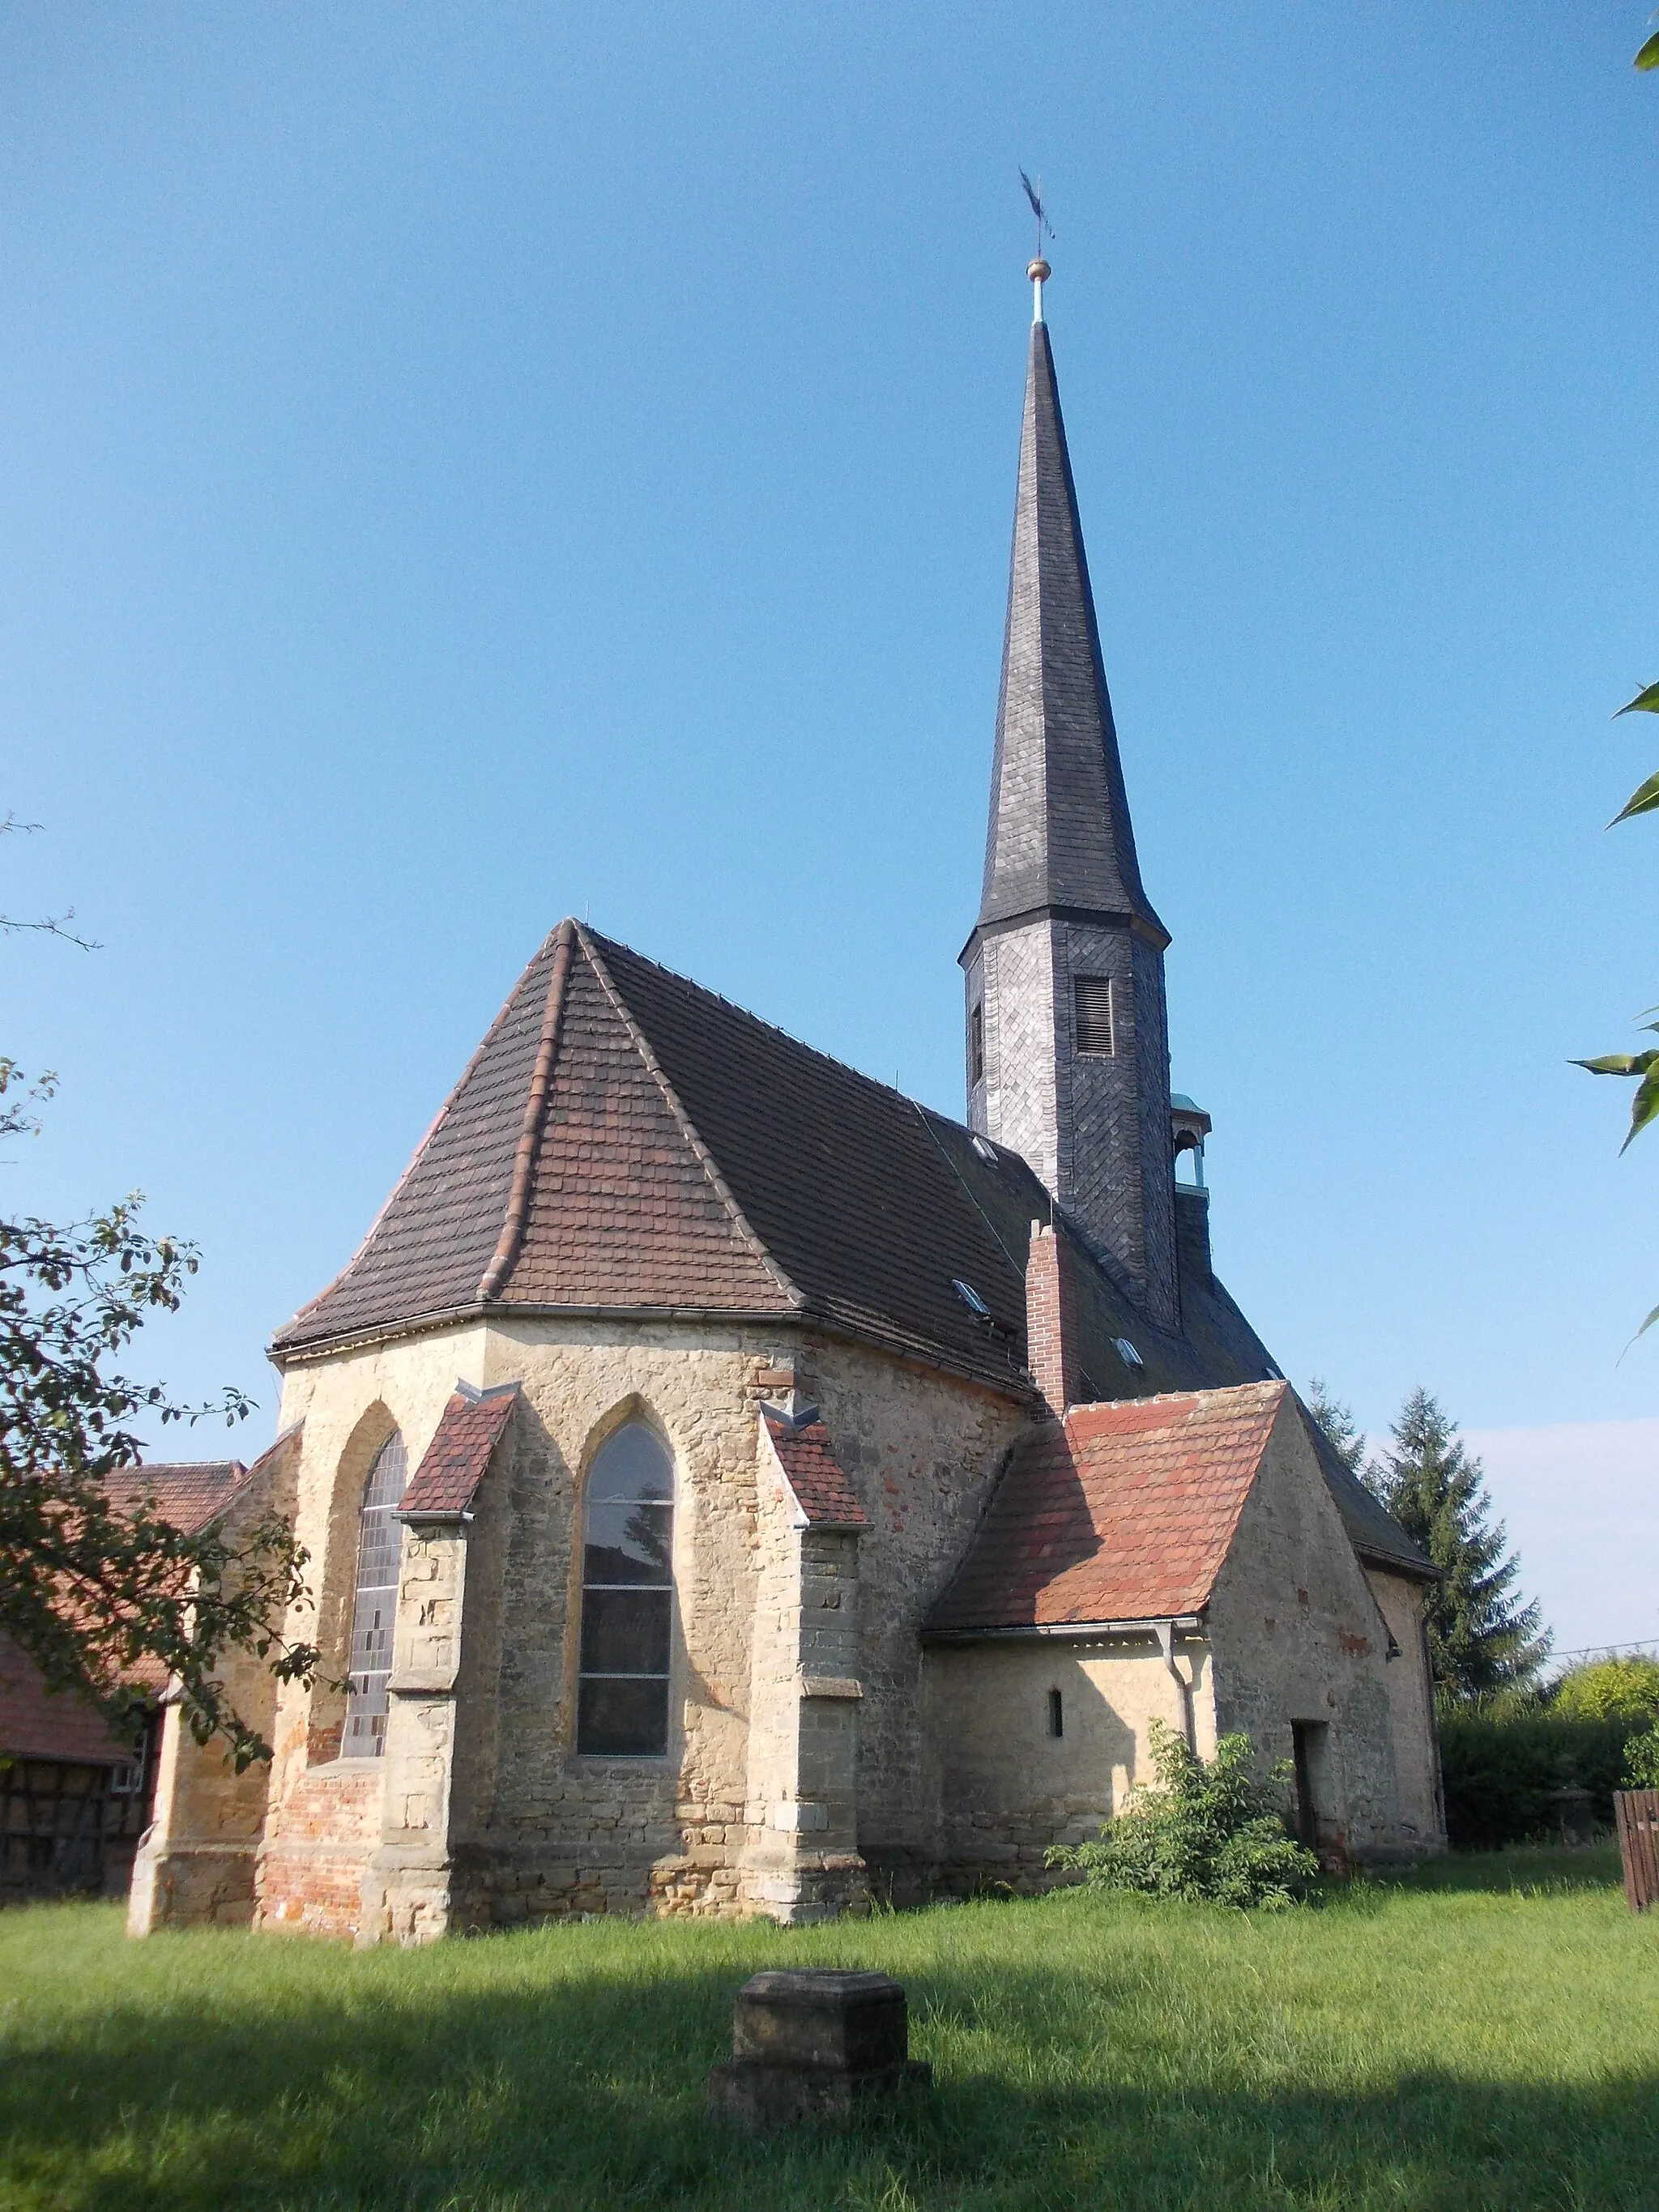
(815, 2045)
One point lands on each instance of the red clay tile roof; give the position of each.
(189, 1493)
(821, 1488)
(1124, 1513)
(36, 1722)
(453, 1466)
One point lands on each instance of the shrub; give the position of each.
(1610, 1689)
(1212, 1832)
(1502, 1769)
(1642, 1760)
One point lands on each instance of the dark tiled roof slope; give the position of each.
(1372, 1529)
(1124, 1513)
(691, 1156)
(870, 1204)
(454, 1464)
(622, 1211)
(821, 1487)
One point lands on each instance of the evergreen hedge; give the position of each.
(1502, 1771)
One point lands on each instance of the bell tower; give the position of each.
(1068, 1053)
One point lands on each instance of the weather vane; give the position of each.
(1034, 193)
(1039, 270)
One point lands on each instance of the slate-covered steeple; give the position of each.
(1067, 1040)
(1060, 832)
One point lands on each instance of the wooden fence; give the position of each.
(1636, 1812)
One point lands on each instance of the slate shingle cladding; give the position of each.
(1060, 832)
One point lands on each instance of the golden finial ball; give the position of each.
(1039, 272)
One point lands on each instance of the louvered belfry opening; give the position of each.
(627, 1598)
(1096, 1029)
(379, 1545)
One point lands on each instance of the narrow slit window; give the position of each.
(1057, 1713)
(379, 1548)
(627, 1598)
(1096, 1024)
(976, 1045)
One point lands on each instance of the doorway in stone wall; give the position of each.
(1316, 1822)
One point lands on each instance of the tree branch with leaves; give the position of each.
(96, 1585)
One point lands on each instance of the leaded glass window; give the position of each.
(380, 1544)
(628, 1597)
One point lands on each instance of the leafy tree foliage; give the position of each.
(1642, 1067)
(1341, 1430)
(1481, 1637)
(1622, 1688)
(1642, 1760)
(1212, 1832)
(95, 1584)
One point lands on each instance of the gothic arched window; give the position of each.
(628, 1597)
(380, 1543)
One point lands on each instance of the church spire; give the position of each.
(1060, 832)
(1068, 1058)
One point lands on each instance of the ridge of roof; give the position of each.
(530, 1129)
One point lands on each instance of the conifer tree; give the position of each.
(1481, 1636)
(1342, 1432)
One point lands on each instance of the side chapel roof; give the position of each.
(1122, 1512)
(623, 1140)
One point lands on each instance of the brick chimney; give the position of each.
(1051, 1331)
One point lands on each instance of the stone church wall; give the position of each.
(326, 1813)
(923, 1450)
(1010, 1786)
(1299, 1637)
(571, 1834)
(1411, 1691)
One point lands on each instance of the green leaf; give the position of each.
(1646, 701)
(1618, 1063)
(1648, 57)
(1646, 1106)
(1643, 800)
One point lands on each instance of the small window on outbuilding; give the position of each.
(976, 1045)
(1095, 1024)
(1057, 1713)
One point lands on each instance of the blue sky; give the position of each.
(466, 465)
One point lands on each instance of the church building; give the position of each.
(732, 1488)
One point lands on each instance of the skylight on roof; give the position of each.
(1126, 1352)
(970, 1298)
(985, 1148)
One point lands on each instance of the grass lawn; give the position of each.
(1484, 2034)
